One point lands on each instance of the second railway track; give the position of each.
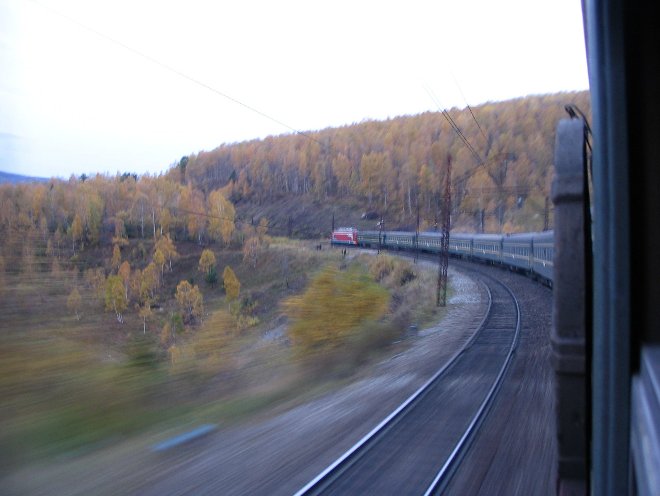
(416, 448)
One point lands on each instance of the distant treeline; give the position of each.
(391, 168)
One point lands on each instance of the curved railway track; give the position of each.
(417, 448)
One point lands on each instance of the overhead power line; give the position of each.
(470, 109)
(455, 127)
(176, 71)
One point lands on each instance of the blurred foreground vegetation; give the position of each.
(74, 377)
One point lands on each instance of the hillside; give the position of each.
(126, 294)
(391, 167)
(8, 177)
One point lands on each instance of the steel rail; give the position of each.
(444, 475)
(334, 470)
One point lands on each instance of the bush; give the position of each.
(403, 274)
(381, 267)
(335, 306)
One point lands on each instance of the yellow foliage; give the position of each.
(251, 249)
(159, 259)
(74, 302)
(334, 307)
(381, 267)
(115, 296)
(232, 284)
(116, 257)
(391, 272)
(148, 282)
(95, 279)
(76, 230)
(246, 321)
(125, 273)
(206, 262)
(211, 347)
(167, 248)
(190, 301)
(222, 216)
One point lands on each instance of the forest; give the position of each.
(389, 168)
(396, 167)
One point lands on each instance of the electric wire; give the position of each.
(222, 94)
(455, 127)
(470, 109)
(176, 71)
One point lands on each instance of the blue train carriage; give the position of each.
(368, 239)
(460, 245)
(399, 240)
(487, 247)
(517, 251)
(429, 241)
(542, 261)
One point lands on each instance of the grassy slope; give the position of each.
(71, 383)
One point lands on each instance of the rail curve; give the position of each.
(404, 451)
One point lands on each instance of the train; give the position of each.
(530, 253)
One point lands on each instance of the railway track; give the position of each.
(417, 448)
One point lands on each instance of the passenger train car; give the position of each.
(530, 253)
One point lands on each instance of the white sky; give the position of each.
(71, 101)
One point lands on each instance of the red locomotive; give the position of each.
(344, 236)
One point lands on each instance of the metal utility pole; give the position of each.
(417, 236)
(443, 262)
(380, 233)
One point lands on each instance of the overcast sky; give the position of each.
(123, 85)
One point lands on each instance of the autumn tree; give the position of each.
(206, 261)
(251, 249)
(166, 222)
(76, 231)
(115, 262)
(192, 201)
(376, 174)
(95, 280)
(426, 186)
(183, 163)
(166, 246)
(145, 313)
(115, 298)
(212, 346)
(190, 300)
(159, 260)
(222, 216)
(125, 273)
(262, 229)
(345, 173)
(370, 175)
(231, 284)
(333, 307)
(119, 238)
(74, 302)
(149, 282)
